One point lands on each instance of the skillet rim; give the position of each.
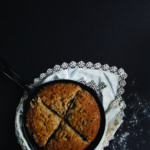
(33, 92)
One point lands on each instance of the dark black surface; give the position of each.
(36, 36)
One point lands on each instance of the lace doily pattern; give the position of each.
(89, 65)
(18, 125)
(98, 88)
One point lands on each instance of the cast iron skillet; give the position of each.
(32, 92)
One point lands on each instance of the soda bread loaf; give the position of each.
(63, 116)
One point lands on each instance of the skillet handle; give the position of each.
(9, 72)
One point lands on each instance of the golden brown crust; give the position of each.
(84, 116)
(66, 139)
(41, 122)
(58, 96)
(56, 103)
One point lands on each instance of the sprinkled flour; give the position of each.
(135, 131)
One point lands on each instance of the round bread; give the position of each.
(63, 116)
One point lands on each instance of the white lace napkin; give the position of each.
(96, 74)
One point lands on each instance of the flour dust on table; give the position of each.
(131, 135)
